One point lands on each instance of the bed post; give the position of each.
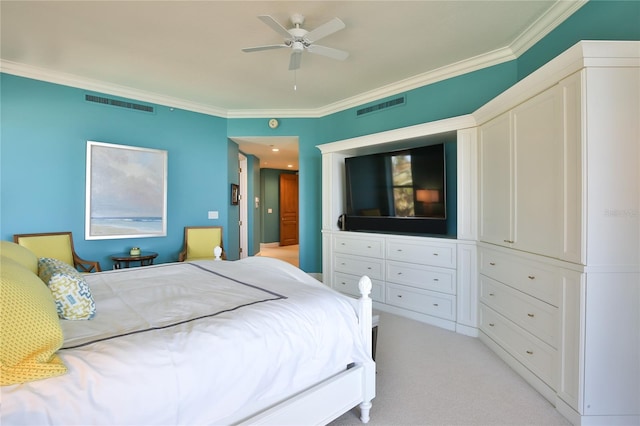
(365, 314)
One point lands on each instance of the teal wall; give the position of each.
(44, 129)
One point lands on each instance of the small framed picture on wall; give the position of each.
(235, 194)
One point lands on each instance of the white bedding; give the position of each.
(192, 343)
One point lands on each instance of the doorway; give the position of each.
(288, 209)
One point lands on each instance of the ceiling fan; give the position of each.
(300, 40)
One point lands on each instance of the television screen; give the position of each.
(408, 184)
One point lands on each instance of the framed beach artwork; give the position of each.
(126, 192)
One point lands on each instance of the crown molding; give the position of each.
(553, 17)
(64, 79)
(560, 11)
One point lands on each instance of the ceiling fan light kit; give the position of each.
(299, 40)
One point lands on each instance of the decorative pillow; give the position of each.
(30, 330)
(20, 254)
(70, 291)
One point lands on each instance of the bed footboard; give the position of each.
(333, 397)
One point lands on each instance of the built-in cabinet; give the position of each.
(429, 279)
(545, 268)
(559, 251)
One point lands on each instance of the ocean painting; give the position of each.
(126, 191)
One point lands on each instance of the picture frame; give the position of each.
(235, 194)
(126, 191)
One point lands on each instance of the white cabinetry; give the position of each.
(428, 279)
(559, 220)
(415, 276)
(522, 155)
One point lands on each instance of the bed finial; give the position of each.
(364, 285)
(217, 252)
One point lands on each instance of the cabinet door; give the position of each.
(538, 159)
(495, 181)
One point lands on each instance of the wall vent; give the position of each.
(380, 106)
(117, 103)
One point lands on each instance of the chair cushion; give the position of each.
(70, 290)
(55, 246)
(19, 254)
(201, 242)
(29, 327)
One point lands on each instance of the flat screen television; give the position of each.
(402, 191)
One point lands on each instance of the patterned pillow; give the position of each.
(70, 291)
(30, 329)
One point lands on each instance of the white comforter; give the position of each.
(192, 343)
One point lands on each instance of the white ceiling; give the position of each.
(187, 54)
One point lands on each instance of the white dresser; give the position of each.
(412, 275)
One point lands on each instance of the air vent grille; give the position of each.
(118, 103)
(380, 106)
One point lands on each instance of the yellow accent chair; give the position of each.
(199, 242)
(56, 245)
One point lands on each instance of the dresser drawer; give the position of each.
(424, 277)
(539, 318)
(359, 266)
(433, 254)
(530, 351)
(534, 278)
(423, 301)
(361, 246)
(348, 284)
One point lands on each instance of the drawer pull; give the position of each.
(435, 254)
(508, 241)
(530, 315)
(530, 352)
(490, 294)
(492, 263)
(400, 296)
(435, 304)
(399, 273)
(399, 250)
(368, 246)
(436, 279)
(491, 324)
(531, 277)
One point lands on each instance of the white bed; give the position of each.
(255, 341)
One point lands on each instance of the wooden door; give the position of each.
(288, 209)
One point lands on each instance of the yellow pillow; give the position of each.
(30, 332)
(20, 254)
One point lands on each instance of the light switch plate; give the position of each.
(213, 215)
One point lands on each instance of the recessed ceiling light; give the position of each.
(275, 149)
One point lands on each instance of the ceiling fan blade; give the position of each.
(268, 47)
(340, 55)
(294, 61)
(275, 25)
(324, 30)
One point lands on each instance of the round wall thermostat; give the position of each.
(273, 123)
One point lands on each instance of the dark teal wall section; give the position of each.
(44, 131)
(270, 188)
(596, 20)
(445, 99)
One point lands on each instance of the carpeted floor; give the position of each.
(430, 376)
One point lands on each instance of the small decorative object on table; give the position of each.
(135, 251)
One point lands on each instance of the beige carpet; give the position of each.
(430, 376)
